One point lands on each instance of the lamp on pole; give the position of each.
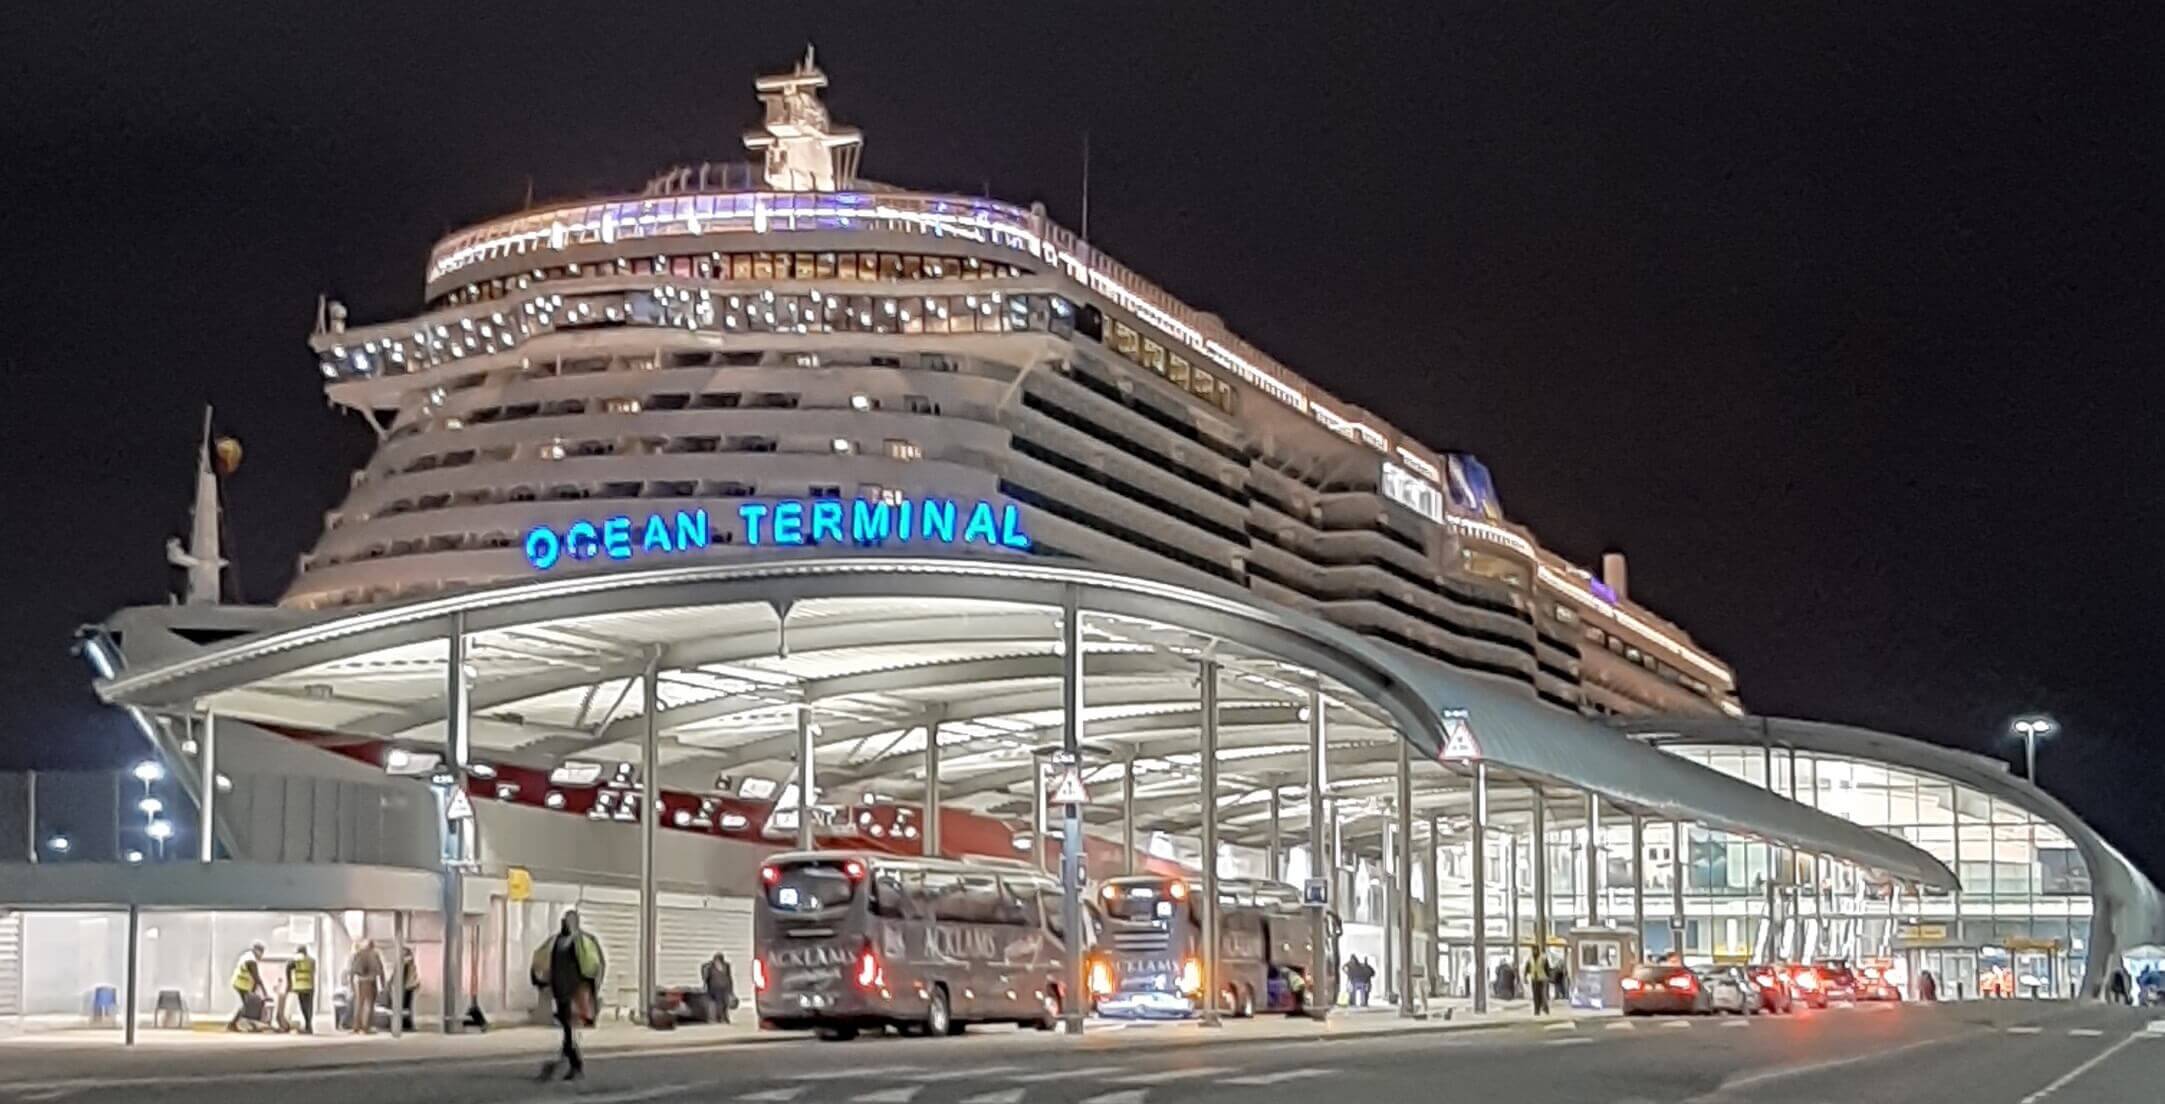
(2030, 728)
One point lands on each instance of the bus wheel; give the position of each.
(838, 1033)
(939, 1018)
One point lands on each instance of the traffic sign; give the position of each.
(1316, 891)
(1459, 744)
(1069, 789)
(458, 806)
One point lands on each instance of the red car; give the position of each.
(1837, 979)
(1805, 985)
(1773, 986)
(1656, 988)
(1874, 983)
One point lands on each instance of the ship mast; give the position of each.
(805, 151)
(201, 557)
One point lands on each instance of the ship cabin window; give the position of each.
(1153, 357)
(1126, 342)
(823, 490)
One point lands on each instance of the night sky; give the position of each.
(1839, 325)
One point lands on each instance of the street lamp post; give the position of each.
(2030, 728)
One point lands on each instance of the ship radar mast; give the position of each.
(805, 151)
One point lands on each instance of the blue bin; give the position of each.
(104, 1004)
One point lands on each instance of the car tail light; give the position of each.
(1178, 890)
(853, 870)
(759, 975)
(1110, 893)
(1807, 980)
(1101, 979)
(768, 875)
(1766, 981)
(1631, 985)
(1191, 974)
(1682, 983)
(869, 973)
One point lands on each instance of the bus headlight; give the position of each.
(1191, 976)
(1101, 979)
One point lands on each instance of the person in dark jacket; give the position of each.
(568, 967)
(721, 987)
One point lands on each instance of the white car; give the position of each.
(1729, 989)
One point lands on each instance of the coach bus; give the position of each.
(1147, 960)
(852, 941)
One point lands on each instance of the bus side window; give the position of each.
(944, 892)
(1018, 904)
(889, 895)
(1049, 906)
(980, 899)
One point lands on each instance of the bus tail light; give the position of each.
(759, 975)
(1191, 974)
(869, 973)
(1178, 890)
(853, 870)
(768, 875)
(1101, 978)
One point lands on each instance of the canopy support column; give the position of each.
(1209, 895)
(650, 816)
(1593, 859)
(206, 828)
(1402, 872)
(1638, 883)
(806, 770)
(1322, 979)
(1480, 887)
(1075, 998)
(458, 853)
(931, 837)
(1541, 872)
(1275, 865)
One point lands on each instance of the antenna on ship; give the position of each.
(1086, 187)
(805, 151)
(214, 457)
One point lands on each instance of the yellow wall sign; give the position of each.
(519, 883)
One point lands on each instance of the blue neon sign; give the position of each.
(785, 523)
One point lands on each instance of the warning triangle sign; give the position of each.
(1069, 790)
(1458, 743)
(459, 807)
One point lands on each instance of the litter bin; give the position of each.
(104, 1005)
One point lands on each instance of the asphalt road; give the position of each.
(1995, 1053)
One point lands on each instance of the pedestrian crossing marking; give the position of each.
(2085, 1032)
(1125, 1096)
(775, 1096)
(1574, 1040)
(900, 1095)
(1621, 1025)
(1062, 1075)
(1001, 1096)
(1278, 1078)
(1736, 1023)
(2024, 1029)
(1676, 1023)
(960, 1074)
(846, 1074)
(1163, 1076)
(1564, 1025)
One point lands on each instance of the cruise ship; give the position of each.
(737, 345)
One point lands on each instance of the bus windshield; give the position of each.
(1147, 899)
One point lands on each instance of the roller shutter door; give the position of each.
(11, 963)
(616, 924)
(693, 929)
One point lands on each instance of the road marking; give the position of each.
(1736, 1023)
(846, 1074)
(1125, 1096)
(1832, 1063)
(899, 1095)
(1620, 1025)
(1061, 1075)
(2085, 1032)
(2066, 1078)
(1573, 1041)
(1163, 1076)
(958, 1074)
(2155, 1027)
(2024, 1029)
(628, 1096)
(1562, 1025)
(1001, 1096)
(775, 1096)
(1676, 1023)
(1280, 1077)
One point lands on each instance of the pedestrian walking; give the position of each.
(568, 968)
(365, 973)
(248, 982)
(2116, 989)
(1537, 981)
(1927, 986)
(409, 983)
(301, 982)
(721, 987)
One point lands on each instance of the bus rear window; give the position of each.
(809, 887)
(1137, 902)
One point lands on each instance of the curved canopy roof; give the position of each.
(2128, 909)
(883, 649)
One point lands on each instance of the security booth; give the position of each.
(1599, 960)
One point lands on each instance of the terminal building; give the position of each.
(769, 507)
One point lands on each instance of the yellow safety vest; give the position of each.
(304, 974)
(244, 975)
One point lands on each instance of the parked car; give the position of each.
(1775, 990)
(1837, 979)
(1657, 988)
(1805, 985)
(1730, 989)
(1875, 982)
